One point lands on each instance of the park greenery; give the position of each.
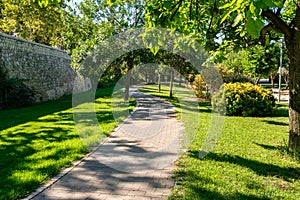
(249, 161)
(38, 141)
(243, 41)
(14, 93)
(244, 99)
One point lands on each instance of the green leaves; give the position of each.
(265, 4)
(254, 24)
(251, 12)
(237, 20)
(30, 20)
(237, 4)
(44, 3)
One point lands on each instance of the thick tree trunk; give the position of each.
(293, 46)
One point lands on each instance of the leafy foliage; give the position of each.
(13, 92)
(256, 62)
(244, 99)
(199, 86)
(33, 21)
(237, 78)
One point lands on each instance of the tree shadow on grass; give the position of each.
(196, 189)
(281, 148)
(276, 123)
(36, 143)
(281, 111)
(14, 117)
(270, 147)
(20, 159)
(204, 194)
(260, 168)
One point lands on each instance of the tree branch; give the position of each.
(279, 9)
(178, 6)
(191, 8)
(174, 6)
(197, 10)
(252, 43)
(263, 33)
(278, 23)
(266, 30)
(212, 15)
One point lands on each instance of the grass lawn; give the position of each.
(37, 142)
(249, 161)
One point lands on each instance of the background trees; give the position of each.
(28, 20)
(220, 24)
(216, 25)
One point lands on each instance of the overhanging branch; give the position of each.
(278, 24)
(178, 6)
(212, 15)
(263, 33)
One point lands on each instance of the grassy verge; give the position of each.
(249, 160)
(37, 142)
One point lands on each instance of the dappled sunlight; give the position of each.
(37, 142)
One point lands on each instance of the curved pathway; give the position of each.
(135, 162)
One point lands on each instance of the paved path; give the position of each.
(136, 162)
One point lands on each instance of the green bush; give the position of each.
(199, 86)
(244, 99)
(13, 92)
(234, 78)
(229, 76)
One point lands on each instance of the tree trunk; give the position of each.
(257, 80)
(272, 81)
(293, 46)
(159, 83)
(286, 80)
(127, 85)
(128, 79)
(171, 83)
(180, 79)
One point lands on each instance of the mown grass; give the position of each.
(249, 160)
(37, 142)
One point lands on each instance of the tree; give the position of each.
(29, 20)
(118, 16)
(82, 32)
(160, 71)
(242, 23)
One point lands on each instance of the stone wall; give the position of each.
(47, 70)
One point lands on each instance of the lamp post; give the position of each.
(280, 70)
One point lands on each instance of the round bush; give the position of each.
(244, 99)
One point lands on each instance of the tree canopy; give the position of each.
(216, 25)
(239, 23)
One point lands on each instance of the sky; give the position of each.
(72, 2)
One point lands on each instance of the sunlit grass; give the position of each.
(249, 161)
(37, 142)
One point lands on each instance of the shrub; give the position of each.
(199, 86)
(229, 76)
(244, 99)
(234, 78)
(13, 92)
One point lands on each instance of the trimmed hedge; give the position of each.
(244, 99)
